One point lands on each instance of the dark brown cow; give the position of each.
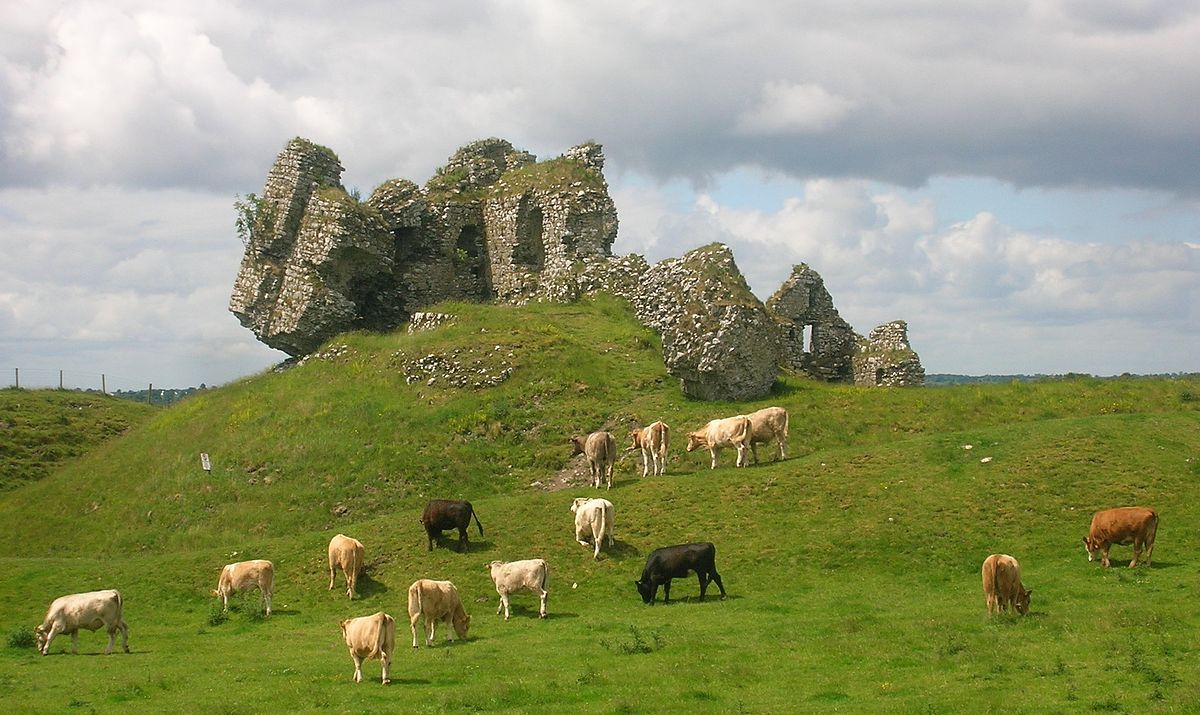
(445, 514)
(1124, 525)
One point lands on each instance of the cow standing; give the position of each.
(767, 425)
(593, 522)
(345, 553)
(246, 576)
(600, 448)
(444, 514)
(434, 601)
(92, 610)
(1002, 585)
(674, 562)
(1125, 525)
(728, 432)
(652, 440)
(370, 637)
(529, 575)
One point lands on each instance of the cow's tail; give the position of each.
(381, 636)
(545, 576)
(477, 521)
(666, 441)
(604, 527)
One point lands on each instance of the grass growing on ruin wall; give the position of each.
(852, 567)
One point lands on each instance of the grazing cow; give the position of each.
(1125, 525)
(436, 600)
(674, 562)
(653, 440)
(1002, 585)
(767, 425)
(443, 514)
(728, 432)
(246, 576)
(600, 448)
(528, 575)
(593, 522)
(370, 637)
(92, 610)
(345, 553)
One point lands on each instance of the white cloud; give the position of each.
(787, 108)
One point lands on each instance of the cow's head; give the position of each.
(39, 635)
(695, 441)
(645, 589)
(1092, 547)
(579, 501)
(577, 445)
(461, 623)
(343, 624)
(492, 566)
(1022, 601)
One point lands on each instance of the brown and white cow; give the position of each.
(246, 576)
(92, 610)
(528, 575)
(770, 424)
(1124, 525)
(370, 637)
(727, 432)
(653, 440)
(345, 553)
(434, 601)
(1002, 585)
(593, 522)
(600, 448)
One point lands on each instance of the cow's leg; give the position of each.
(741, 455)
(782, 447)
(713, 452)
(124, 635)
(412, 625)
(331, 570)
(703, 578)
(1137, 551)
(667, 591)
(991, 603)
(352, 581)
(753, 452)
(112, 638)
(716, 578)
(357, 667)
(504, 603)
(542, 610)
(430, 629)
(596, 552)
(386, 661)
(646, 464)
(1104, 553)
(75, 642)
(1149, 547)
(267, 601)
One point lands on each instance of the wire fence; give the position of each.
(117, 385)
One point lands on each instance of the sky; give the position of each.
(1019, 181)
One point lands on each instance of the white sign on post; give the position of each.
(204, 462)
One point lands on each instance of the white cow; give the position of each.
(92, 611)
(593, 522)
(528, 575)
(767, 425)
(345, 553)
(727, 432)
(369, 637)
(653, 440)
(434, 601)
(246, 576)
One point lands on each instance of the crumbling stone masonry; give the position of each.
(813, 338)
(885, 359)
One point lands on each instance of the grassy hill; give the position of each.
(852, 566)
(40, 429)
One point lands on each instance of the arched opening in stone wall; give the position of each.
(529, 252)
(470, 258)
(878, 376)
(404, 243)
(806, 338)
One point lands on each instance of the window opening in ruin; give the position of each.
(878, 376)
(470, 257)
(529, 250)
(404, 243)
(806, 338)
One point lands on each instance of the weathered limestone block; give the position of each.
(885, 359)
(423, 321)
(813, 337)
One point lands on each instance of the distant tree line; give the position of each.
(945, 379)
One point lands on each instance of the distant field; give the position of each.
(852, 566)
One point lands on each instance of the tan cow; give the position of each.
(370, 637)
(345, 553)
(246, 576)
(528, 575)
(600, 448)
(728, 432)
(434, 601)
(593, 522)
(653, 440)
(1125, 525)
(767, 425)
(92, 610)
(1002, 585)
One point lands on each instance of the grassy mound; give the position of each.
(852, 566)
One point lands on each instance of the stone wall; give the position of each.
(885, 359)
(814, 339)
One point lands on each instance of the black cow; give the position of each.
(674, 562)
(444, 514)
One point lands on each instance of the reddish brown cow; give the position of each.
(1124, 525)
(653, 440)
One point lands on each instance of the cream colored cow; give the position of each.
(434, 601)
(91, 611)
(728, 432)
(1002, 587)
(246, 576)
(593, 522)
(345, 553)
(370, 637)
(527, 575)
(652, 440)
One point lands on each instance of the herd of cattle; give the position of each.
(374, 636)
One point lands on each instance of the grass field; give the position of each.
(852, 566)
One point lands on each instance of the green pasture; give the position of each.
(852, 566)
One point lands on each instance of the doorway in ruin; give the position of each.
(470, 258)
(529, 252)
